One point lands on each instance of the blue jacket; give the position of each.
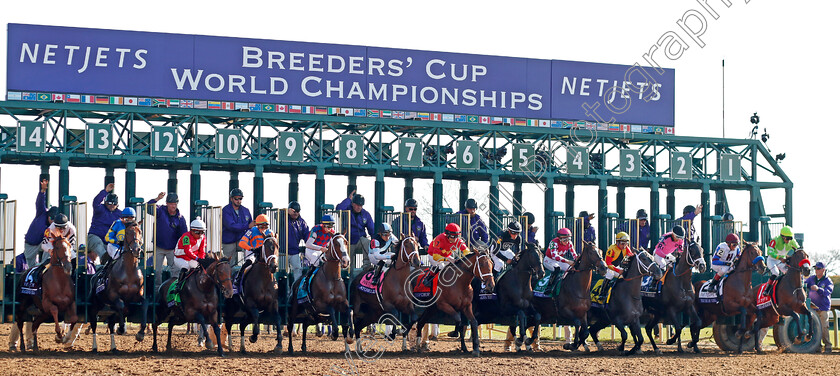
(169, 228)
(298, 231)
(642, 235)
(35, 234)
(479, 229)
(360, 224)
(102, 218)
(532, 236)
(822, 296)
(689, 217)
(418, 229)
(234, 224)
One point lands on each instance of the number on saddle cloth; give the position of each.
(713, 296)
(30, 284)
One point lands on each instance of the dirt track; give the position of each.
(189, 359)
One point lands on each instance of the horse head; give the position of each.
(694, 257)
(531, 258)
(219, 271)
(646, 265)
(338, 250)
(755, 260)
(591, 258)
(59, 253)
(408, 252)
(268, 252)
(800, 261)
(133, 239)
(483, 269)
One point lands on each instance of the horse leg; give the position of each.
(756, 329)
(119, 309)
(14, 336)
(623, 331)
(593, 333)
(462, 332)
(112, 322)
(53, 311)
(474, 328)
(142, 333)
(218, 332)
(35, 325)
(303, 336)
(154, 336)
(169, 337)
(798, 329)
(290, 324)
(652, 322)
(421, 322)
(520, 322)
(93, 325)
(19, 325)
(345, 329)
(255, 316)
(741, 333)
(535, 334)
(279, 347)
(333, 324)
(636, 331)
(695, 328)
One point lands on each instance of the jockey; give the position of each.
(616, 258)
(442, 248)
(60, 226)
(380, 250)
(116, 234)
(669, 243)
(253, 238)
(779, 249)
(319, 240)
(189, 249)
(507, 247)
(560, 254)
(725, 255)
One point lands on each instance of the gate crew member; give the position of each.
(170, 226)
(779, 249)
(639, 237)
(725, 256)
(475, 227)
(104, 215)
(361, 225)
(819, 288)
(532, 230)
(43, 219)
(689, 213)
(253, 239)
(671, 242)
(418, 229)
(298, 232)
(236, 219)
(190, 248)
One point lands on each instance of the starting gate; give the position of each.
(342, 226)
(212, 217)
(78, 217)
(8, 216)
(278, 223)
(720, 229)
(574, 224)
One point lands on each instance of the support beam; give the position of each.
(408, 190)
(195, 190)
(320, 192)
(495, 219)
(463, 195)
(437, 203)
(654, 213)
(754, 214)
(720, 202)
(63, 183)
(259, 188)
(570, 200)
(620, 202)
(671, 203)
(603, 235)
(172, 182)
(45, 175)
(130, 182)
(548, 210)
(294, 187)
(109, 176)
(517, 199)
(789, 206)
(233, 182)
(706, 225)
(351, 185)
(379, 197)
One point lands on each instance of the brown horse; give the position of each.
(737, 296)
(124, 285)
(454, 294)
(789, 300)
(572, 303)
(392, 299)
(677, 297)
(199, 299)
(257, 293)
(327, 296)
(57, 295)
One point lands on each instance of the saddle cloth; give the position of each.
(763, 301)
(651, 287)
(366, 284)
(30, 285)
(597, 299)
(706, 295)
(303, 290)
(421, 291)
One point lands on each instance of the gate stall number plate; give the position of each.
(523, 157)
(290, 147)
(577, 160)
(730, 167)
(681, 165)
(411, 152)
(228, 144)
(630, 166)
(351, 149)
(466, 155)
(98, 139)
(164, 142)
(30, 137)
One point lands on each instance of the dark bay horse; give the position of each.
(392, 298)
(625, 306)
(676, 298)
(124, 286)
(57, 295)
(257, 293)
(454, 295)
(572, 303)
(737, 296)
(789, 299)
(327, 296)
(199, 300)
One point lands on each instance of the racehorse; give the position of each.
(625, 305)
(789, 299)
(515, 296)
(676, 297)
(123, 285)
(257, 293)
(572, 302)
(327, 295)
(737, 296)
(390, 297)
(57, 295)
(454, 294)
(199, 299)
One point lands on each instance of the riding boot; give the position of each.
(430, 277)
(715, 282)
(770, 285)
(377, 270)
(180, 281)
(242, 271)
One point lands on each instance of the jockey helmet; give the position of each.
(171, 197)
(128, 212)
(733, 238)
(530, 217)
(384, 228)
(327, 219)
(359, 200)
(470, 204)
(111, 199)
(514, 227)
(294, 205)
(728, 217)
(261, 219)
(641, 214)
(622, 236)
(198, 224)
(787, 231)
(236, 192)
(410, 203)
(564, 233)
(689, 209)
(452, 229)
(60, 220)
(678, 231)
(52, 212)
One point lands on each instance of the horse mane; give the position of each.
(206, 262)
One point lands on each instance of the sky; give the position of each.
(778, 58)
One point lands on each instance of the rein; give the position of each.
(406, 258)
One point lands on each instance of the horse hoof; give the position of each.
(120, 330)
(115, 351)
(154, 349)
(600, 348)
(242, 351)
(671, 341)
(476, 353)
(680, 350)
(567, 346)
(518, 342)
(278, 349)
(759, 351)
(253, 338)
(140, 336)
(348, 340)
(797, 341)
(529, 341)
(657, 352)
(696, 349)
(808, 338)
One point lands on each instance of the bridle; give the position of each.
(404, 256)
(579, 260)
(214, 273)
(644, 270)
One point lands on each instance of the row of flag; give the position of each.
(338, 111)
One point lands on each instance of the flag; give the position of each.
(73, 98)
(647, 129)
(29, 96)
(636, 128)
(373, 113)
(398, 115)
(669, 130)
(556, 124)
(347, 111)
(186, 103)
(282, 108)
(268, 108)
(308, 109)
(254, 107)
(332, 110)
(43, 97)
(497, 120)
(484, 120)
(115, 100)
(410, 115)
(200, 104)
(228, 106)
(460, 118)
(385, 113)
(13, 96)
(472, 119)
(102, 99)
(320, 110)
(659, 130)
(239, 106)
(625, 127)
(614, 127)
(144, 101)
(543, 123)
(520, 122)
(58, 97)
(173, 103)
(214, 105)
(294, 109)
(423, 115)
(359, 112)
(602, 126)
(447, 117)
(130, 101)
(436, 117)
